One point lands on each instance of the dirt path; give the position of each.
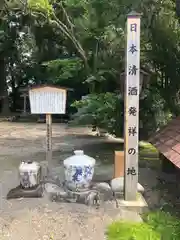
(20, 141)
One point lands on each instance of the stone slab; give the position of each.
(130, 216)
(140, 205)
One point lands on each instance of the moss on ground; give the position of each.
(148, 155)
(147, 148)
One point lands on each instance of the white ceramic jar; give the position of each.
(79, 171)
(30, 174)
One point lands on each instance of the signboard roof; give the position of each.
(27, 88)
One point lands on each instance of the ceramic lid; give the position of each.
(29, 166)
(79, 159)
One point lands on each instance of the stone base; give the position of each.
(139, 206)
(130, 216)
(59, 194)
(19, 192)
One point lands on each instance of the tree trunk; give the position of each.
(14, 93)
(3, 89)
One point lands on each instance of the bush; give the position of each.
(165, 224)
(157, 225)
(105, 110)
(131, 231)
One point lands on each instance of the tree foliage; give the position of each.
(81, 45)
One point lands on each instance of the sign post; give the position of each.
(49, 139)
(48, 100)
(132, 106)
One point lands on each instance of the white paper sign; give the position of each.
(47, 100)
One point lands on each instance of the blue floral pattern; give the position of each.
(88, 172)
(78, 173)
(79, 177)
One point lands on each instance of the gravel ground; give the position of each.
(64, 224)
(40, 219)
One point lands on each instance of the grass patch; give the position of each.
(157, 225)
(131, 231)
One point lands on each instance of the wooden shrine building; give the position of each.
(24, 93)
(167, 142)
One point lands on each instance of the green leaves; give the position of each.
(41, 6)
(105, 110)
(63, 69)
(156, 226)
(165, 224)
(131, 231)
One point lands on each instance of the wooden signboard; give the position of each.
(48, 100)
(51, 100)
(132, 106)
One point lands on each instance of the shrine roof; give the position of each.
(167, 141)
(25, 89)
